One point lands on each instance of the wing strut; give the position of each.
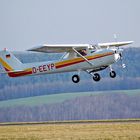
(82, 57)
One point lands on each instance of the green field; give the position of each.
(80, 131)
(58, 98)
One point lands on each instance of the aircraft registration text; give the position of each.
(43, 68)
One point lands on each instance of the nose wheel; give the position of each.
(112, 74)
(75, 78)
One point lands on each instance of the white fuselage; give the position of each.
(99, 58)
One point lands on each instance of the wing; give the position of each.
(59, 48)
(114, 44)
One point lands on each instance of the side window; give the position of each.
(83, 52)
(92, 51)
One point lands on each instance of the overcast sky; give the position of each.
(28, 23)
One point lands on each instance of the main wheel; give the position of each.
(75, 78)
(96, 77)
(112, 74)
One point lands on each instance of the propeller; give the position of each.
(121, 58)
(120, 52)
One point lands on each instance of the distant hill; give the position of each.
(12, 88)
(59, 98)
(73, 106)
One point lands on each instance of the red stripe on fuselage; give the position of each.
(68, 64)
(17, 74)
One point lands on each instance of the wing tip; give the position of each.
(130, 42)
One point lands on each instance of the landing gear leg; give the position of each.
(96, 76)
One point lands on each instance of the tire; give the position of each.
(96, 77)
(112, 74)
(75, 78)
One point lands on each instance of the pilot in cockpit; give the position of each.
(83, 52)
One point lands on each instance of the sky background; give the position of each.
(28, 23)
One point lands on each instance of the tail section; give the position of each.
(12, 66)
(9, 61)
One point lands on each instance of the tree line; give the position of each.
(93, 107)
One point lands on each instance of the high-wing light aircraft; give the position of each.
(77, 57)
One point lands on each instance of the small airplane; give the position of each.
(77, 57)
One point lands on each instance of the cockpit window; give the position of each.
(83, 52)
(92, 51)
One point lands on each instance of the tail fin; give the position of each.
(9, 61)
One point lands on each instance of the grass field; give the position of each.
(88, 131)
(57, 98)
